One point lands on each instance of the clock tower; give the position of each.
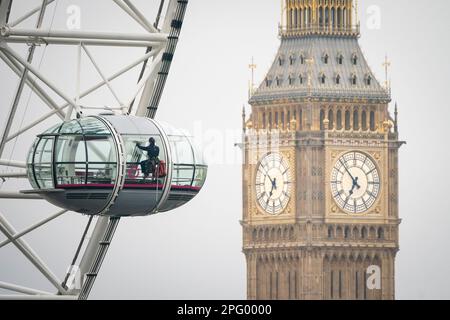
(320, 177)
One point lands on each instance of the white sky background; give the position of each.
(195, 252)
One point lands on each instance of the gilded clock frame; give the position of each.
(255, 210)
(379, 208)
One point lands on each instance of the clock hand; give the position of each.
(351, 176)
(271, 191)
(353, 188)
(356, 183)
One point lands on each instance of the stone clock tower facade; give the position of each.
(320, 177)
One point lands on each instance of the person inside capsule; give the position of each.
(151, 163)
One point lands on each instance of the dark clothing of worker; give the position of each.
(152, 150)
(148, 166)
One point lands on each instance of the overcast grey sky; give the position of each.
(195, 251)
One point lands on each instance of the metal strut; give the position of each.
(103, 246)
(175, 30)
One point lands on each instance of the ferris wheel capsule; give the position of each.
(113, 165)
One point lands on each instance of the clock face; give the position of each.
(355, 182)
(273, 184)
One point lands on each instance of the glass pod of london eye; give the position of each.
(115, 165)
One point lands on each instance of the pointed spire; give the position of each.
(396, 118)
(252, 67)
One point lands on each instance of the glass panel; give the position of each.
(102, 174)
(93, 126)
(198, 154)
(101, 149)
(70, 174)
(43, 162)
(31, 177)
(70, 149)
(181, 150)
(44, 151)
(200, 176)
(182, 175)
(143, 166)
(72, 127)
(44, 176)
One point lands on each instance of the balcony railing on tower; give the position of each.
(319, 29)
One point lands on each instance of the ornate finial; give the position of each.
(386, 66)
(396, 118)
(252, 67)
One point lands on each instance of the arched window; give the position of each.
(364, 233)
(355, 233)
(326, 57)
(347, 233)
(300, 17)
(340, 59)
(339, 18)
(268, 82)
(355, 120)
(330, 232)
(338, 79)
(291, 80)
(372, 121)
(292, 60)
(364, 121)
(354, 59)
(339, 120)
(330, 119)
(323, 78)
(327, 16)
(322, 118)
(289, 17)
(301, 79)
(279, 81)
(347, 120)
(333, 17)
(321, 16)
(280, 61)
(282, 120)
(353, 79)
(380, 233)
(302, 59)
(339, 232)
(295, 18)
(368, 80)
